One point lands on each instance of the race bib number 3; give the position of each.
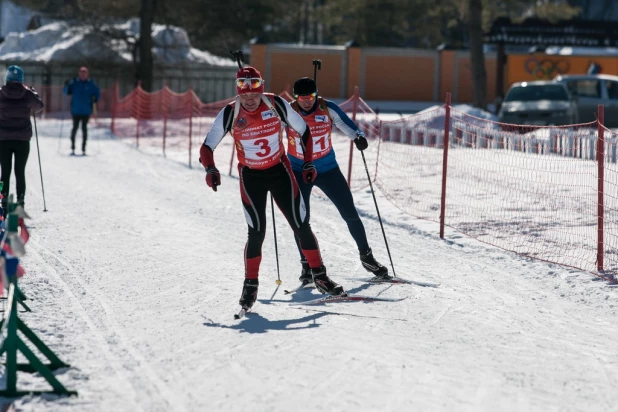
(261, 148)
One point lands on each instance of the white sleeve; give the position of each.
(342, 121)
(295, 120)
(217, 131)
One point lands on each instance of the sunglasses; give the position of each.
(252, 83)
(306, 98)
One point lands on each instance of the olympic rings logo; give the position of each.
(546, 69)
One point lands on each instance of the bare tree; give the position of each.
(477, 56)
(145, 65)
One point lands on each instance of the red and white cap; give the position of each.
(249, 73)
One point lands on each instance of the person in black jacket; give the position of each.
(17, 102)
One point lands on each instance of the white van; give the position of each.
(591, 90)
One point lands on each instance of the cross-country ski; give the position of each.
(348, 298)
(401, 281)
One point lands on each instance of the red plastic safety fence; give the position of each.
(172, 123)
(368, 121)
(532, 190)
(57, 104)
(408, 162)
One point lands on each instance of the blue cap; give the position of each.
(15, 74)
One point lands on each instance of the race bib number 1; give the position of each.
(321, 146)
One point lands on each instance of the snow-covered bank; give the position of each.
(135, 272)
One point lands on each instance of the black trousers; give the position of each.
(335, 187)
(280, 182)
(20, 149)
(84, 121)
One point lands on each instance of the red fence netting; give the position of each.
(534, 190)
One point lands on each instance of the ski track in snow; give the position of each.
(135, 271)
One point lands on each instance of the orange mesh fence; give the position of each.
(171, 123)
(537, 191)
(57, 104)
(409, 162)
(352, 165)
(532, 190)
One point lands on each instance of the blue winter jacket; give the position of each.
(84, 95)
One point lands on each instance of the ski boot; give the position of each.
(305, 275)
(324, 284)
(249, 293)
(372, 265)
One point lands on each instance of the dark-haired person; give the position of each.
(17, 103)
(256, 121)
(320, 115)
(84, 95)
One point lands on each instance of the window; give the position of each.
(585, 88)
(612, 89)
(532, 93)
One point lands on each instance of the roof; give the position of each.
(60, 42)
(534, 31)
(586, 77)
(536, 83)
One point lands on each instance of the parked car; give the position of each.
(590, 91)
(538, 103)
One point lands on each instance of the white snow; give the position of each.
(61, 42)
(581, 51)
(135, 271)
(13, 17)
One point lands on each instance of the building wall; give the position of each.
(403, 74)
(383, 74)
(539, 66)
(281, 66)
(463, 91)
(399, 74)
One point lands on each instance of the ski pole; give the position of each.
(61, 123)
(272, 206)
(317, 65)
(36, 134)
(378, 210)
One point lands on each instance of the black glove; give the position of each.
(213, 178)
(309, 172)
(360, 141)
(66, 82)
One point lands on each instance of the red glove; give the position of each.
(309, 172)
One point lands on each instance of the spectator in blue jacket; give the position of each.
(84, 94)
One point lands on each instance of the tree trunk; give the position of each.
(145, 44)
(479, 75)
